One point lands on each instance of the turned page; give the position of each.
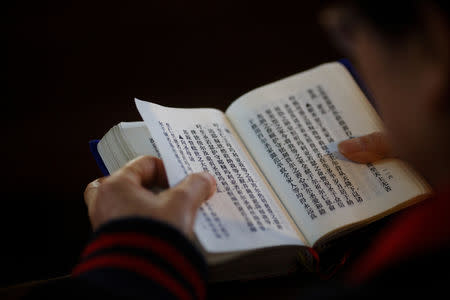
(244, 213)
(291, 128)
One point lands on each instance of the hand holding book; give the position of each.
(126, 194)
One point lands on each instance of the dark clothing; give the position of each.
(420, 231)
(141, 258)
(134, 258)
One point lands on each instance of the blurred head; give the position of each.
(401, 49)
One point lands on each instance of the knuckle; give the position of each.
(105, 189)
(122, 176)
(127, 171)
(88, 188)
(102, 201)
(192, 209)
(134, 161)
(92, 184)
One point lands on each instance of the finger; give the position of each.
(190, 193)
(366, 149)
(145, 170)
(91, 190)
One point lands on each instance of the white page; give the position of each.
(139, 139)
(231, 220)
(124, 142)
(319, 198)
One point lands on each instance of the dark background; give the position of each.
(72, 71)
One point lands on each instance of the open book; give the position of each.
(282, 186)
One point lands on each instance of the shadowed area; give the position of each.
(73, 69)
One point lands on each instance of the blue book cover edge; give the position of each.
(346, 63)
(97, 157)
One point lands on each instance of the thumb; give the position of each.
(366, 149)
(184, 199)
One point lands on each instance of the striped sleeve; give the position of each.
(137, 257)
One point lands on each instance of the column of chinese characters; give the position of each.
(325, 180)
(277, 161)
(185, 146)
(286, 156)
(171, 142)
(318, 171)
(236, 179)
(245, 179)
(333, 158)
(380, 178)
(229, 183)
(152, 141)
(177, 142)
(334, 111)
(210, 216)
(206, 209)
(347, 131)
(324, 163)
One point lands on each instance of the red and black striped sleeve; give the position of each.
(137, 257)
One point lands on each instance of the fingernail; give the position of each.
(351, 146)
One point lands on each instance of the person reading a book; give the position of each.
(141, 246)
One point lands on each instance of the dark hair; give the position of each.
(395, 18)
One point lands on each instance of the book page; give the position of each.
(124, 142)
(138, 139)
(244, 213)
(291, 128)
